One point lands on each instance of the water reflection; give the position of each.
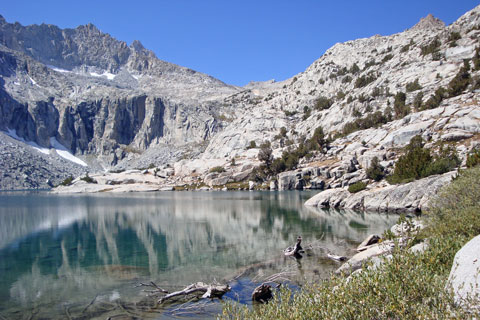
(67, 249)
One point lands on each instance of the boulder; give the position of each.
(290, 180)
(358, 260)
(317, 184)
(273, 185)
(464, 278)
(419, 248)
(412, 226)
(456, 135)
(330, 198)
(370, 240)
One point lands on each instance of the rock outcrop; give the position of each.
(409, 197)
(464, 278)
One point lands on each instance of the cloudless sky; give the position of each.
(237, 41)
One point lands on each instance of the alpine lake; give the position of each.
(85, 256)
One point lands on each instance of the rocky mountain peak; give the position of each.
(137, 45)
(428, 23)
(2, 19)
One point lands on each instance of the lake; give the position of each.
(81, 256)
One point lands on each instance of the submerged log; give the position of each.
(262, 293)
(336, 258)
(209, 291)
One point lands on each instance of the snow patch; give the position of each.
(64, 153)
(108, 75)
(58, 69)
(13, 134)
(57, 146)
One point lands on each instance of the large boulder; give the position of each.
(358, 260)
(464, 278)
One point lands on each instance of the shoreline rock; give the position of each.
(409, 197)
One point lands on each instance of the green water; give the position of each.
(80, 256)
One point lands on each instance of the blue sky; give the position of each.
(237, 41)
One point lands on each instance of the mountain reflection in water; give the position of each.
(58, 250)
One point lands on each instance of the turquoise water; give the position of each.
(80, 256)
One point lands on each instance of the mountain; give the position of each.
(117, 106)
(99, 98)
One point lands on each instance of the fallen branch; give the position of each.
(209, 291)
(153, 285)
(336, 258)
(88, 305)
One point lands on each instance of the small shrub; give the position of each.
(252, 145)
(435, 100)
(460, 82)
(365, 80)
(371, 120)
(217, 169)
(357, 186)
(454, 36)
(278, 165)
(289, 113)
(88, 179)
(401, 110)
(341, 95)
(473, 158)
(417, 102)
(265, 153)
(369, 64)
(318, 140)
(376, 170)
(306, 113)
(354, 69)
(387, 57)
(68, 181)
(431, 48)
(347, 79)
(323, 103)
(405, 48)
(413, 86)
(362, 98)
(476, 59)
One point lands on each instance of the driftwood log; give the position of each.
(296, 250)
(262, 293)
(207, 291)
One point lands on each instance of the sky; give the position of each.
(237, 41)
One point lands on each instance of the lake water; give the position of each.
(81, 256)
